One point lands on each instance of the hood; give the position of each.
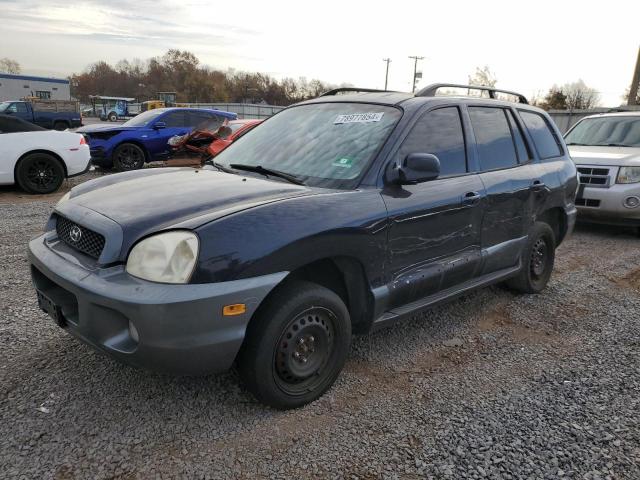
(149, 200)
(608, 156)
(98, 127)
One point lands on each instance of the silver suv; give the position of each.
(606, 151)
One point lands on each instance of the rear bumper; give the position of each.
(175, 329)
(77, 161)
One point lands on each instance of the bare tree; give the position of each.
(579, 96)
(483, 77)
(7, 65)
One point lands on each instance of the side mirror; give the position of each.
(159, 125)
(418, 167)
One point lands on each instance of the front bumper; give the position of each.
(180, 328)
(606, 205)
(100, 158)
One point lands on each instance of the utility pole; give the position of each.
(415, 71)
(635, 83)
(386, 76)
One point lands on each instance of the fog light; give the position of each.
(133, 332)
(631, 202)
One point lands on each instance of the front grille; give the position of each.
(87, 241)
(594, 177)
(587, 202)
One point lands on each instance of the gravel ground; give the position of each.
(492, 385)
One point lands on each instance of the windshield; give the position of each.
(143, 118)
(4, 106)
(323, 144)
(623, 131)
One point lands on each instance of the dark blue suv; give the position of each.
(144, 138)
(340, 214)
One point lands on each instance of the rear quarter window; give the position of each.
(545, 140)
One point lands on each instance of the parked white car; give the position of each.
(38, 159)
(606, 151)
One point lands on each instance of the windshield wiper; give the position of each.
(613, 145)
(220, 167)
(577, 144)
(266, 172)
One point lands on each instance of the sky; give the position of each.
(529, 46)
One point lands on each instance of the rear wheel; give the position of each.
(296, 345)
(128, 156)
(60, 126)
(112, 117)
(40, 173)
(537, 260)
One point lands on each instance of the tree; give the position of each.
(554, 100)
(483, 77)
(580, 96)
(8, 65)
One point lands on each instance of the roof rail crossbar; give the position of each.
(335, 91)
(431, 90)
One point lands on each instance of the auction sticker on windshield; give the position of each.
(359, 118)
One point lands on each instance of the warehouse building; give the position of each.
(15, 87)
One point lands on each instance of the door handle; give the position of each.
(538, 186)
(471, 198)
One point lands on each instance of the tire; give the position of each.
(112, 117)
(40, 173)
(295, 346)
(128, 156)
(537, 260)
(60, 126)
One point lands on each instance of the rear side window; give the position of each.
(518, 139)
(496, 147)
(543, 137)
(439, 132)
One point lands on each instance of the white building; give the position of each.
(15, 87)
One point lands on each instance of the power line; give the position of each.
(386, 76)
(415, 71)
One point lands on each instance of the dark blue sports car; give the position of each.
(144, 138)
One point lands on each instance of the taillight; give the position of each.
(83, 141)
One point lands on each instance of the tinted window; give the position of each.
(174, 119)
(439, 132)
(203, 120)
(521, 147)
(21, 107)
(493, 137)
(543, 138)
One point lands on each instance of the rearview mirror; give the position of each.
(418, 167)
(159, 125)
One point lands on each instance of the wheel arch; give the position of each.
(40, 150)
(557, 219)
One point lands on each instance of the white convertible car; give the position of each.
(38, 159)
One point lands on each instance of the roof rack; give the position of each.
(335, 91)
(431, 90)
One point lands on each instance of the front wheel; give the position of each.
(537, 260)
(296, 345)
(40, 173)
(128, 156)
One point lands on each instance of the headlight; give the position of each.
(628, 175)
(63, 199)
(166, 257)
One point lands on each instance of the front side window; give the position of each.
(20, 107)
(543, 137)
(495, 144)
(620, 131)
(439, 132)
(323, 144)
(174, 119)
(143, 118)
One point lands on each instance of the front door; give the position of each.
(157, 141)
(434, 226)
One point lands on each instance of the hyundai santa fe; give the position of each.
(338, 215)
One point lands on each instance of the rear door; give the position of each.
(509, 177)
(434, 234)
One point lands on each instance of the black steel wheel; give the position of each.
(128, 156)
(537, 260)
(40, 173)
(296, 345)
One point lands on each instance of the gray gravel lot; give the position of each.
(542, 386)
